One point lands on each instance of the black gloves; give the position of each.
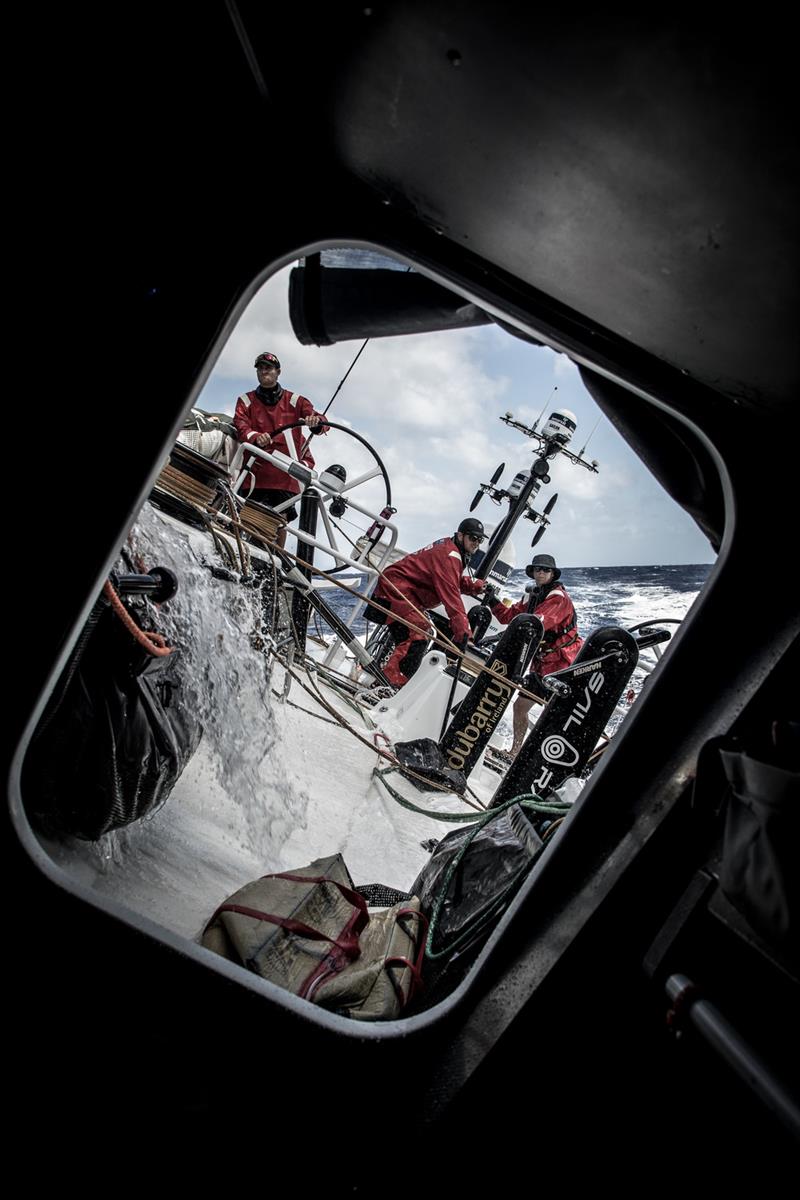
(490, 595)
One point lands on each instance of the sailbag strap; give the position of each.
(299, 927)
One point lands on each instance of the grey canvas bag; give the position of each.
(309, 931)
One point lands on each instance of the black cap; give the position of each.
(267, 360)
(474, 526)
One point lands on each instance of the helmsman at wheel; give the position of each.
(258, 414)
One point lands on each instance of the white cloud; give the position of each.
(430, 404)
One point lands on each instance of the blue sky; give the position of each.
(430, 404)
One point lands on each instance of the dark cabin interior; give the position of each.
(621, 187)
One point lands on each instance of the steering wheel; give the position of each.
(378, 469)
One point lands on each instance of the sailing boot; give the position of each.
(391, 668)
(405, 660)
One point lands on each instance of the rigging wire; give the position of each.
(336, 393)
(344, 377)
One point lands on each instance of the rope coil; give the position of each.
(184, 487)
(255, 519)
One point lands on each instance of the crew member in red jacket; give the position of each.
(258, 414)
(434, 575)
(549, 601)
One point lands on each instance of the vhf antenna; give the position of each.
(544, 409)
(591, 435)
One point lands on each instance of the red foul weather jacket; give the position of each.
(253, 417)
(561, 642)
(431, 576)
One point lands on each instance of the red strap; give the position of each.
(344, 949)
(355, 898)
(348, 946)
(414, 967)
(336, 959)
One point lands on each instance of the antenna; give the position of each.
(591, 435)
(547, 404)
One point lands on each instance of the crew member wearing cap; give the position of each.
(434, 575)
(258, 414)
(549, 601)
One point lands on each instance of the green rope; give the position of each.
(529, 799)
(425, 812)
